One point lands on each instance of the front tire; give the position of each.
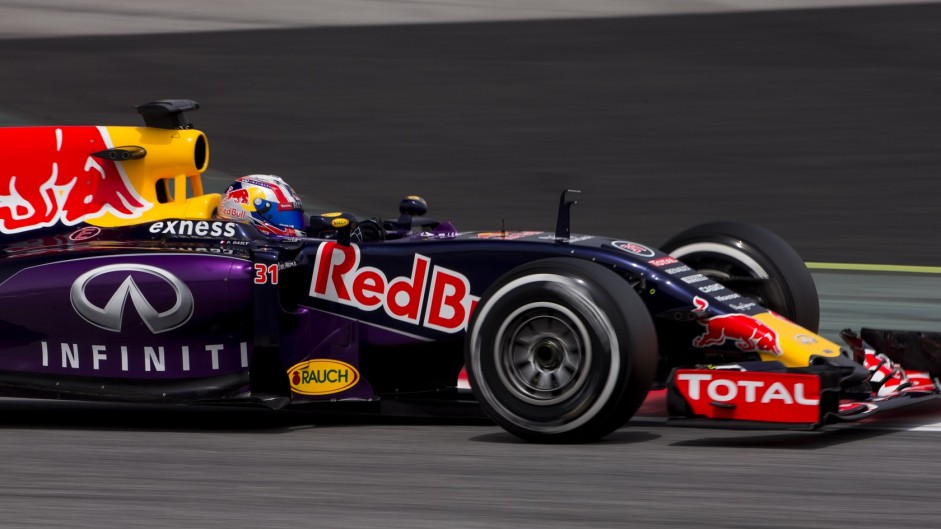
(753, 262)
(561, 350)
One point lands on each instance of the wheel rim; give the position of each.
(543, 353)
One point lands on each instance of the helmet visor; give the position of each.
(293, 218)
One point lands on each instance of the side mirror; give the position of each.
(413, 206)
(411, 213)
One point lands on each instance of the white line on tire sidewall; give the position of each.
(722, 249)
(574, 288)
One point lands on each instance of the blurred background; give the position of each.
(820, 123)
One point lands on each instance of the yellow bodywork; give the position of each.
(797, 344)
(168, 177)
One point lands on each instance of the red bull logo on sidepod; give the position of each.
(444, 294)
(748, 333)
(49, 177)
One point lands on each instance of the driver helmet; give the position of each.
(267, 202)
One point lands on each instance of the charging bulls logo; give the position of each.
(748, 333)
(49, 177)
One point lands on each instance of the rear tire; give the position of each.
(753, 262)
(561, 350)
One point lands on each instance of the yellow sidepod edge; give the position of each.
(797, 344)
(167, 178)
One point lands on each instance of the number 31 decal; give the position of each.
(266, 273)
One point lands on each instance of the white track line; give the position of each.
(934, 427)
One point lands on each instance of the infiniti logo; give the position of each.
(110, 316)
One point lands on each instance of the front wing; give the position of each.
(770, 394)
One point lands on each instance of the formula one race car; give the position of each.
(125, 281)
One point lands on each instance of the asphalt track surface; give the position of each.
(820, 125)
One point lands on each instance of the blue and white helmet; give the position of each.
(267, 202)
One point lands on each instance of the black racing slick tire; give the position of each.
(561, 351)
(753, 262)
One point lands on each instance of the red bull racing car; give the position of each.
(125, 280)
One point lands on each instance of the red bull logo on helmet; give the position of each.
(748, 333)
(49, 177)
(238, 195)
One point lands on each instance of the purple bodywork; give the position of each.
(153, 316)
